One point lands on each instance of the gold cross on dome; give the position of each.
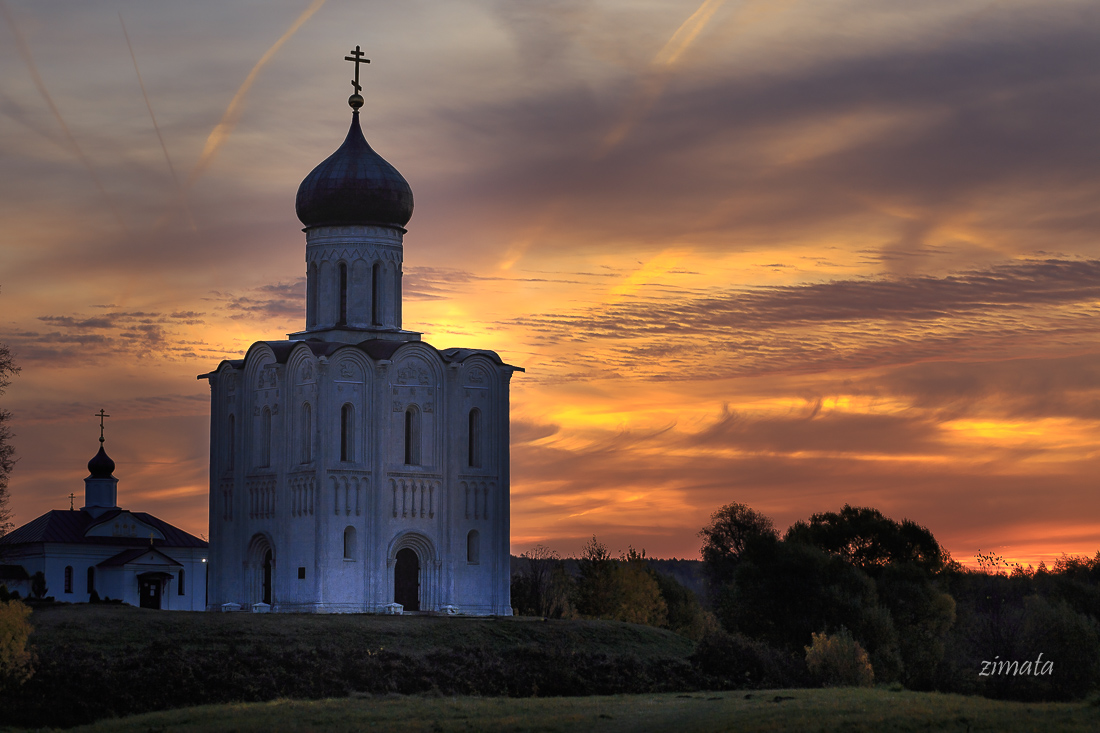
(357, 57)
(101, 414)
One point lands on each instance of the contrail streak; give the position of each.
(25, 52)
(657, 76)
(236, 105)
(153, 117)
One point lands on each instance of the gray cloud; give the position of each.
(838, 324)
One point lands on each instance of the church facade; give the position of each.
(354, 467)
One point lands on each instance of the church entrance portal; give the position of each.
(406, 579)
(266, 595)
(149, 587)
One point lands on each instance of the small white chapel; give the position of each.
(354, 467)
(105, 550)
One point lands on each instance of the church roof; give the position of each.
(376, 349)
(13, 572)
(354, 185)
(69, 527)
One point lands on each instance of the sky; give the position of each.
(789, 253)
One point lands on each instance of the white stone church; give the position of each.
(353, 466)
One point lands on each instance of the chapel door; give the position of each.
(406, 580)
(150, 592)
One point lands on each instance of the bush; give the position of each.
(16, 658)
(734, 661)
(839, 661)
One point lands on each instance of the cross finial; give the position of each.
(356, 99)
(71, 498)
(101, 414)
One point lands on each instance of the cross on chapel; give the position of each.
(101, 414)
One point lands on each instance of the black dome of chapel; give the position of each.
(354, 185)
(101, 465)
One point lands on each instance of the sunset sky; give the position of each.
(794, 254)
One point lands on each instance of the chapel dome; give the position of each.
(101, 465)
(354, 185)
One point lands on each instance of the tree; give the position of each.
(596, 587)
(734, 530)
(16, 658)
(541, 587)
(638, 593)
(7, 452)
(869, 540)
(38, 585)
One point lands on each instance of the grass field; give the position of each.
(113, 629)
(772, 710)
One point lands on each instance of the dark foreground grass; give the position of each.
(96, 662)
(763, 710)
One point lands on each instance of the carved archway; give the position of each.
(408, 553)
(261, 566)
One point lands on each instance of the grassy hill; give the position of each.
(98, 661)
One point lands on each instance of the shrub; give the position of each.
(735, 661)
(839, 661)
(16, 658)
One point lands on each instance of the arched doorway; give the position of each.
(261, 571)
(406, 579)
(266, 591)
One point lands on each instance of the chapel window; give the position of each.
(473, 547)
(375, 296)
(307, 433)
(347, 432)
(265, 438)
(474, 437)
(349, 543)
(179, 584)
(343, 294)
(412, 436)
(91, 580)
(68, 578)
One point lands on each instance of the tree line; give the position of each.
(845, 597)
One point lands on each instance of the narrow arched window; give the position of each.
(68, 578)
(474, 437)
(231, 448)
(473, 547)
(412, 436)
(91, 580)
(349, 543)
(347, 432)
(265, 438)
(343, 294)
(375, 296)
(179, 584)
(311, 292)
(307, 433)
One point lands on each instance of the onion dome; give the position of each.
(101, 466)
(354, 185)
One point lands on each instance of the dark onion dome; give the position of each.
(354, 185)
(101, 466)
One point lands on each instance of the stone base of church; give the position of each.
(367, 608)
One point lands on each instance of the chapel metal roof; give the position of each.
(69, 527)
